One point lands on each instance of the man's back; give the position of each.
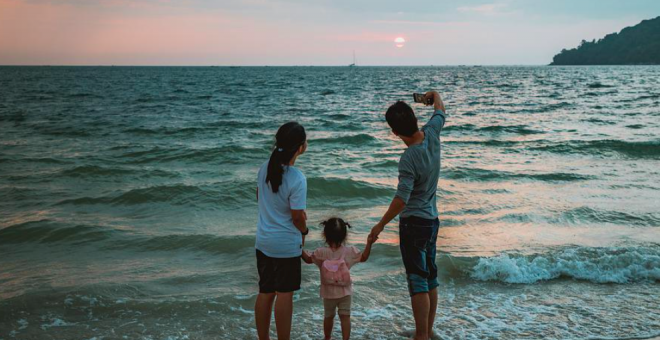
(419, 169)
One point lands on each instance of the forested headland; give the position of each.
(637, 45)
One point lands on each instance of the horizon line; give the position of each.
(257, 65)
(339, 66)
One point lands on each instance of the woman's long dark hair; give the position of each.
(288, 139)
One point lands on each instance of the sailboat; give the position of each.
(353, 64)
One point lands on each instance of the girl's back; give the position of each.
(350, 255)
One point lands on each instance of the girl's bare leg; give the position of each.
(345, 326)
(327, 327)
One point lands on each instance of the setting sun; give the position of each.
(399, 41)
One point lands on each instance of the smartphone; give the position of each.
(419, 98)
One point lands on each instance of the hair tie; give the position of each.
(348, 225)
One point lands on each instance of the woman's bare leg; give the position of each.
(283, 315)
(263, 308)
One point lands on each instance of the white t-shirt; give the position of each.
(276, 234)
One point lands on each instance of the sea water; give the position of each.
(128, 207)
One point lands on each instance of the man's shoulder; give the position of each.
(412, 152)
(409, 159)
(406, 157)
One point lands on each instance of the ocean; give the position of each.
(128, 211)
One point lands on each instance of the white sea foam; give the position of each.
(242, 310)
(23, 324)
(599, 265)
(177, 337)
(56, 322)
(244, 296)
(385, 312)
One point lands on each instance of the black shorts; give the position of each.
(280, 275)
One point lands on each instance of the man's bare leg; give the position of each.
(327, 327)
(420, 305)
(433, 303)
(263, 309)
(283, 315)
(345, 326)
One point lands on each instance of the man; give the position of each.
(415, 200)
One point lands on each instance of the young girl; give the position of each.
(335, 262)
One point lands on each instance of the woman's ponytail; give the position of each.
(288, 140)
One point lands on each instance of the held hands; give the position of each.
(371, 239)
(437, 101)
(307, 257)
(375, 231)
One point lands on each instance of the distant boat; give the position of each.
(354, 63)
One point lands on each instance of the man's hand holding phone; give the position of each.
(421, 98)
(430, 98)
(434, 98)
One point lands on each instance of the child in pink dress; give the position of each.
(334, 262)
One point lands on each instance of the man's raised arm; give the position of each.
(439, 116)
(437, 101)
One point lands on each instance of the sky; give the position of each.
(305, 32)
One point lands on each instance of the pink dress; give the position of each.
(352, 256)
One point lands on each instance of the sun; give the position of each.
(399, 42)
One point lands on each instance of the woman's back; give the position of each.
(276, 234)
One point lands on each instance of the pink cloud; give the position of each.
(363, 37)
(420, 23)
(484, 9)
(65, 33)
(126, 32)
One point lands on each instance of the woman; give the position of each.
(281, 230)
